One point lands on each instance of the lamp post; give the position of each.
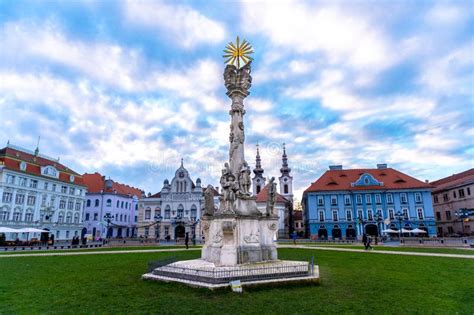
(379, 220)
(399, 217)
(108, 218)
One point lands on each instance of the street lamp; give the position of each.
(108, 218)
(399, 216)
(379, 219)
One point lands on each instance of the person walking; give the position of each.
(369, 240)
(186, 240)
(365, 240)
(294, 237)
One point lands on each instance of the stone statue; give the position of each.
(271, 196)
(209, 201)
(245, 179)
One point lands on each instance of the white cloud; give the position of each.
(259, 104)
(182, 24)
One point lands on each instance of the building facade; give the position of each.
(111, 209)
(38, 191)
(453, 200)
(174, 211)
(284, 200)
(344, 204)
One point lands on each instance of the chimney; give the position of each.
(381, 166)
(427, 181)
(335, 167)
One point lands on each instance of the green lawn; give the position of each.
(466, 251)
(350, 283)
(98, 249)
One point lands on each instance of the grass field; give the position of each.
(98, 249)
(350, 283)
(461, 251)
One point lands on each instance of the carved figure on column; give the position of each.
(271, 196)
(245, 180)
(209, 201)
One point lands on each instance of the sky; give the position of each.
(128, 88)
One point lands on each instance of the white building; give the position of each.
(177, 208)
(38, 191)
(111, 209)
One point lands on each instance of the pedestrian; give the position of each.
(369, 240)
(294, 236)
(186, 240)
(365, 240)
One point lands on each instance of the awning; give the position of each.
(407, 231)
(7, 230)
(417, 230)
(31, 230)
(390, 231)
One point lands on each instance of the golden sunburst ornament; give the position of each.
(238, 52)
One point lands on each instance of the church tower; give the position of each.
(258, 180)
(286, 181)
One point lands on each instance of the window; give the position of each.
(63, 189)
(67, 234)
(69, 217)
(359, 214)
(121, 205)
(368, 199)
(7, 197)
(438, 215)
(109, 203)
(348, 215)
(389, 198)
(157, 212)
(31, 200)
(87, 216)
(58, 233)
(167, 212)
(3, 216)
(88, 202)
(391, 214)
(418, 197)
(23, 181)
(136, 219)
(62, 204)
(334, 215)
(16, 216)
(29, 217)
(321, 216)
(78, 206)
(359, 199)
(435, 198)
(33, 183)
(285, 188)
(379, 213)
(193, 212)
(461, 193)
(20, 199)
(60, 217)
(445, 197)
(454, 194)
(378, 199)
(405, 213)
(121, 217)
(45, 185)
(370, 215)
(147, 214)
(403, 198)
(79, 192)
(96, 216)
(180, 211)
(10, 179)
(70, 205)
(468, 191)
(258, 189)
(72, 191)
(450, 230)
(147, 231)
(419, 211)
(167, 230)
(126, 205)
(53, 187)
(347, 200)
(333, 200)
(43, 200)
(320, 201)
(118, 204)
(97, 202)
(448, 215)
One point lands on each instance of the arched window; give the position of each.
(420, 213)
(109, 202)
(16, 215)
(122, 205)
(193, 212)
(76, 218)
(180, 211)
(147, 213)
(69, 217)
(29, 216)
(118, 204)
(126, 205)
(157, 212)
(258, 189)
(285, 188)
(4, 215)
(61, 217)
(167, 212)
(88, 202)
(97, 202)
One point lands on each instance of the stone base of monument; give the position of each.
(201, 273)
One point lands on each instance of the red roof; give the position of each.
(96, 183)
(157, 195)
(454, 180)
(262, 196)
(333, 180)
(12, 157)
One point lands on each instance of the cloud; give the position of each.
(182, 24)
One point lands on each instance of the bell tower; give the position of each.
(286, 181)
(258, 180)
